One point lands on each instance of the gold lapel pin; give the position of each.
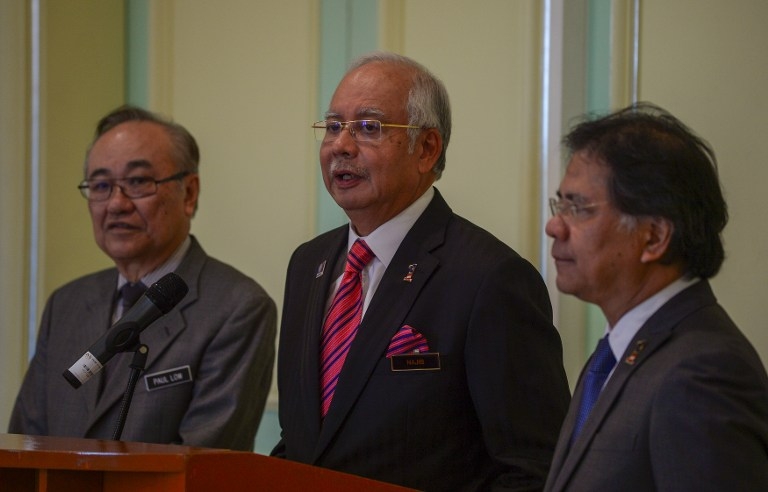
(631, 358)
(409, 276)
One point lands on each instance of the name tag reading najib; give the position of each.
(171, 377)
(427, 361)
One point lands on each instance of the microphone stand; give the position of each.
(138, 363)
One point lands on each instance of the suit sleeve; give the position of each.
(516, 375)
(234, 377)
(709, 426)
(28, 415)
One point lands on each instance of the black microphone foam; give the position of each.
(160, 298)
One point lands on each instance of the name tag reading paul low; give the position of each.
(427, 361)
(171, 377)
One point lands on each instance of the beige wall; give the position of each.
(13, 197)
(242, 80)
(705, 61)
(82, 72)
(488, 59)
(81, 69)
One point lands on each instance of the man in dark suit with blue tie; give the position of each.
(453, 380)
(674, 398)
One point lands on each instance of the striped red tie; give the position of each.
(342, 322)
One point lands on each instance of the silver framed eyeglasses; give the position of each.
(361, 130)
(569, 209)
(100, 189)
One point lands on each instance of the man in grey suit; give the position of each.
(453, 380)
(210, 358)
(675, 398)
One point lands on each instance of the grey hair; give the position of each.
(428, 105)
(186, 154)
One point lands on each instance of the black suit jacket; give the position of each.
(686, 409)
(492, 412)
(223, 331)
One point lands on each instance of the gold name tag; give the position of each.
(428, 361)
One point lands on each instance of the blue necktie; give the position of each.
(599, 368)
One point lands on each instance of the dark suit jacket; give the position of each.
(493, 410)
(223, 329)
(686, 409)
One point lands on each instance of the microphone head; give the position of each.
(167, 292)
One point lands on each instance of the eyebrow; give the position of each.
(362, 113)
(572, 197)
(130, 166)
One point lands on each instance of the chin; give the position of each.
(566, 287)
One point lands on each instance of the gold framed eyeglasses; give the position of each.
(361, 130)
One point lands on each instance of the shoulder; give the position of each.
(706, 349)
(215, 282)
(92, 282)
(321, 246)
(469, 245)
(221, 280)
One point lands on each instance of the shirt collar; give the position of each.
(629, 324)
(170, 265)
(385, 240)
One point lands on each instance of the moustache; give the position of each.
(342, 167)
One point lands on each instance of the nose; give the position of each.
(345, 143)
(118, 201)
(556, 228)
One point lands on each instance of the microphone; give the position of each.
(160, 298)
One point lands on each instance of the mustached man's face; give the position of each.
(374, 181)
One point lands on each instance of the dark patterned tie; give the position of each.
(341, 324)
(130, 293)
(599, 368)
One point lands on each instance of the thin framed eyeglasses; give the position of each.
(361, 130)
(570, 210)
(100, 189)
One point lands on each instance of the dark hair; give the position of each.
(660, 168)
(186, 153)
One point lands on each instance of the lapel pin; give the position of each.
(320, 269)
(639, 346)
(409, 276)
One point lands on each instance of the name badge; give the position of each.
(171, 377)
(428, 361)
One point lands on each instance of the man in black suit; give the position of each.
(682, 403)
(454, 378)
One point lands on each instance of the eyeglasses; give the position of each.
(100, 189)
(361, 130)
(570, 210)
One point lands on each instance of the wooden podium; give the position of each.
(57, 464)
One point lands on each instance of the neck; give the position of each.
(616, 307)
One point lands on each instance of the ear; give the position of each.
(430, 149)
(191, 191)
(658, 234)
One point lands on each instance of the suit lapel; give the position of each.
(321, 275)
(158, 337)
(96, 321)
(651, 336)
(386, 312)
(650, 341)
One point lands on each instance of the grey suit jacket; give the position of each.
(488, 418)
(221, 335)
(686, 409)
